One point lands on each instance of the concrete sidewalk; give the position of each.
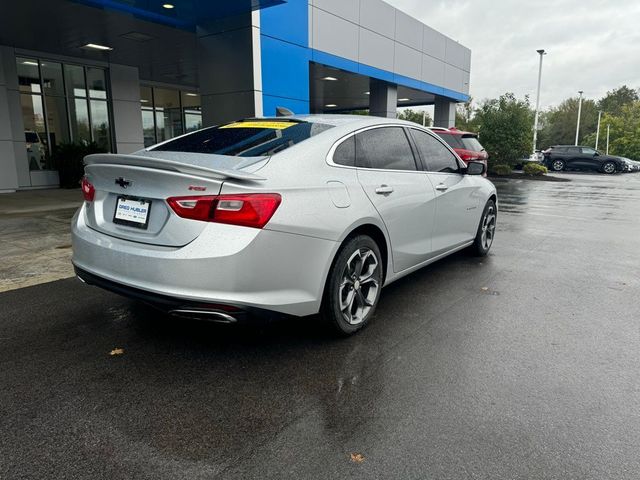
(35, 241)
(34, 201)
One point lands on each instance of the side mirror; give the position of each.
(596, 154)
(475, 168)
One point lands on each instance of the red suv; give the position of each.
(465, 144)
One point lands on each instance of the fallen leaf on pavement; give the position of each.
(485, 288)
(357, 457)
(116, 351)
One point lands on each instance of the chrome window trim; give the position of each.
(341, 140)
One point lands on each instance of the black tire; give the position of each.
(558, 165)
(342, 285)
(486, 230)
(609, 168)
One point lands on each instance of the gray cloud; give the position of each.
(593, 45)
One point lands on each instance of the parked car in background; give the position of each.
(465, 144)
(536, 157)
(569, 157)
(36, 150)
(294, 215)
(632, 165)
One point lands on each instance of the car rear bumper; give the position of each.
(226, 265)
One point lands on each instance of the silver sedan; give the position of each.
(291, 215)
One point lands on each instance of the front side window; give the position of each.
(588, 151)
(245, 139)
(436, 156)
(384, 148)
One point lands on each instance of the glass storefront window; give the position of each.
(35, 132)
(52, 82)
(100, 123)
(57, 121)
(97, 83)
(79, 119)
(74, 76)
(55, 107)
(28, 75)
(168, 113)
(168, 116)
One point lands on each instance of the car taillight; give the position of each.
(467, 157)
(248, 210)
(88, 190)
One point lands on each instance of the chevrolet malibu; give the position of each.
(291, 215)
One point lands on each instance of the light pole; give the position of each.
(598, 129)
(608, 138)
(542, 53)
(579, 113)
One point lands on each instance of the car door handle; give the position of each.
(442, 187)
(384, 190)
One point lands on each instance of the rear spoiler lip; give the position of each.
(169, 165)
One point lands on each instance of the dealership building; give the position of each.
(130, 73)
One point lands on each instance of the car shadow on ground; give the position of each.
(395, 314)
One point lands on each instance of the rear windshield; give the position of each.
(251, 138)
(470, 142)
(452, 140)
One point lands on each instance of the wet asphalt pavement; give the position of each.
(523, 365)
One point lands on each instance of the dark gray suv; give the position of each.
(570, 157)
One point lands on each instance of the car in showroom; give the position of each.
(570, 157)
(293, 215)
(465, 144)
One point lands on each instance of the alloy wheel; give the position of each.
(558, 165)
(488, 228)
(359, 286)
(609, 168)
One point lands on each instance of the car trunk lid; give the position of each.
(137, 186)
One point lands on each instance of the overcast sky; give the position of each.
(592, 45)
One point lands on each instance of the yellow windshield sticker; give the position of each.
(272, 125)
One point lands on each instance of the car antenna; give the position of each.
(283, 112)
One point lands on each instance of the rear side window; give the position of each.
(453, 141)
(437, 157)
(252, 138)
(345, 154)
(385, 148)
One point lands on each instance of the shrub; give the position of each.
(535, 169)
(501, 169)
(68, 160)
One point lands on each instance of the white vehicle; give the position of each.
(299, 215)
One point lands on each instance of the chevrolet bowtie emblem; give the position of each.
(122, 182)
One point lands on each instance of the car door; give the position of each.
(458, 207)
(590, 158)
(388, 172)
(576, 159)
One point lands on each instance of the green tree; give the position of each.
(559, 123)
(624, 132)
(415, 116)
(505, 127)
(465, 116)
(614, 100)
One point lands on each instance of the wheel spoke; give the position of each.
(362, 300)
